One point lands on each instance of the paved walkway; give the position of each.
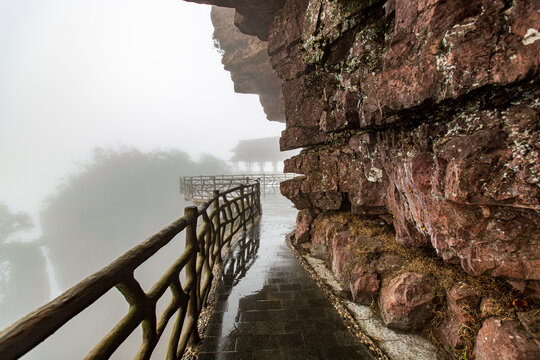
(267, 305)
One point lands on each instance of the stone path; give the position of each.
(268, 307)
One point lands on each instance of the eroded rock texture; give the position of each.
(505, 339)
(407, 302)
(246, 58)
(252, 17)
(424, 114)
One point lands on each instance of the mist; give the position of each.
(75, 75)
(103, 104)
(114, 203)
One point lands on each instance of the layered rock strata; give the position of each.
(423, 115)
(246, 58)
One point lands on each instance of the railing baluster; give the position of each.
(190, 333)
(217, 226)
(173, 352)
(242, 208)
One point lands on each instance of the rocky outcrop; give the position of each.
(424, 115)
(252, 17)
(304, 219)
(427, 113)
(246, 58)
(407, 302)
(505, 339)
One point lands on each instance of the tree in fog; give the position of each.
(114, 203)
(23, 276)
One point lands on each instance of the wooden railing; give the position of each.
(222, 216)
(199, 188)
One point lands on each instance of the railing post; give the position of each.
(217, 227)
(242, 208)
(258, 199)
(191, 212)
(252, 204)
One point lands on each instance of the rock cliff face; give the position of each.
(246, 57)
(424, 114)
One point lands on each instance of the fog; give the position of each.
(118, 199)
(75, 75)
(103, 104)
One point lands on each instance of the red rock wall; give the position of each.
(424, 114)
(429, 113)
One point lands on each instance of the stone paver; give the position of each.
(268, 307)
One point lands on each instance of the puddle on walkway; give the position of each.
(268, 307)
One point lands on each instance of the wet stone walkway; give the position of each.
(268, 307)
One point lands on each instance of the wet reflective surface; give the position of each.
(267, 305)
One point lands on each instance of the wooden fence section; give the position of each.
(200, 188)
(222, 216)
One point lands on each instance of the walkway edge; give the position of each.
(383, 342)
(192, 351)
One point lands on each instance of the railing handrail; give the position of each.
(249, 177)
(201, 254)
(199, 188)
(236, 175)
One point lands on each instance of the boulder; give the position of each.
(364, 285)
(505, 340)
(320, 251)
(304, 219)
(340, 254)
(408, 301)
(463, 302)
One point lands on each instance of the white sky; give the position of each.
(77, 74)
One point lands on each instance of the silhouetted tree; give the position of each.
(109, 206)
(23, 277)
(12, 224)
(114, 203)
